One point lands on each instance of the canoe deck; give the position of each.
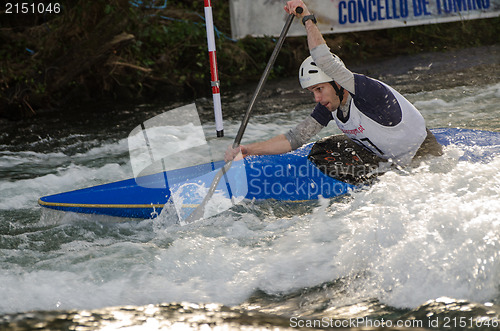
(286, 177)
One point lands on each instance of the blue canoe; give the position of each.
(286, 177)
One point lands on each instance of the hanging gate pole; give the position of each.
(209, 22)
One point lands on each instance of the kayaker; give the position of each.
(379, 121)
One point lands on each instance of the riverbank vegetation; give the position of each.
(126, 51)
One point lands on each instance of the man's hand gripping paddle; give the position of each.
(198, 213)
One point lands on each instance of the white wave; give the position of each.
(24, 193)
(13, 159)
(427, 235)
(407, 239)
(468, 106)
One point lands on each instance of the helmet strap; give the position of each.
(339, 91)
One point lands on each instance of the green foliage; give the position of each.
(75, 57)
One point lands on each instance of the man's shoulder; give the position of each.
(370, 89)
(364, 82)
(376, 100)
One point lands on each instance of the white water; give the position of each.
(407, 239)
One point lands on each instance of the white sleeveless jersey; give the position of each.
(397, 143)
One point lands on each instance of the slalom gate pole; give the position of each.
(200, 210)
(209, 22)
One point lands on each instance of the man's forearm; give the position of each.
(323, 58)
(275, 145)
(303, 132)
(314, 36)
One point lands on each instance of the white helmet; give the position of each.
(310, 74)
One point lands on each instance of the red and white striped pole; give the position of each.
(209, 22)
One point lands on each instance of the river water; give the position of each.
(417, 249)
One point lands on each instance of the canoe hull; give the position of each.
(286, 177)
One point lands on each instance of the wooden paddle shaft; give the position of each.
(264, 76)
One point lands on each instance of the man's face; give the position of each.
(326, 95)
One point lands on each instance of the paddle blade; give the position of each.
(229, 190)
(170, 151)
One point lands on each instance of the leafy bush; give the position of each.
(131, 50)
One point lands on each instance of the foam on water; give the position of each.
(469, 107)
(24, 193)
(427, 235)
(28, 175)
(406, 239)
